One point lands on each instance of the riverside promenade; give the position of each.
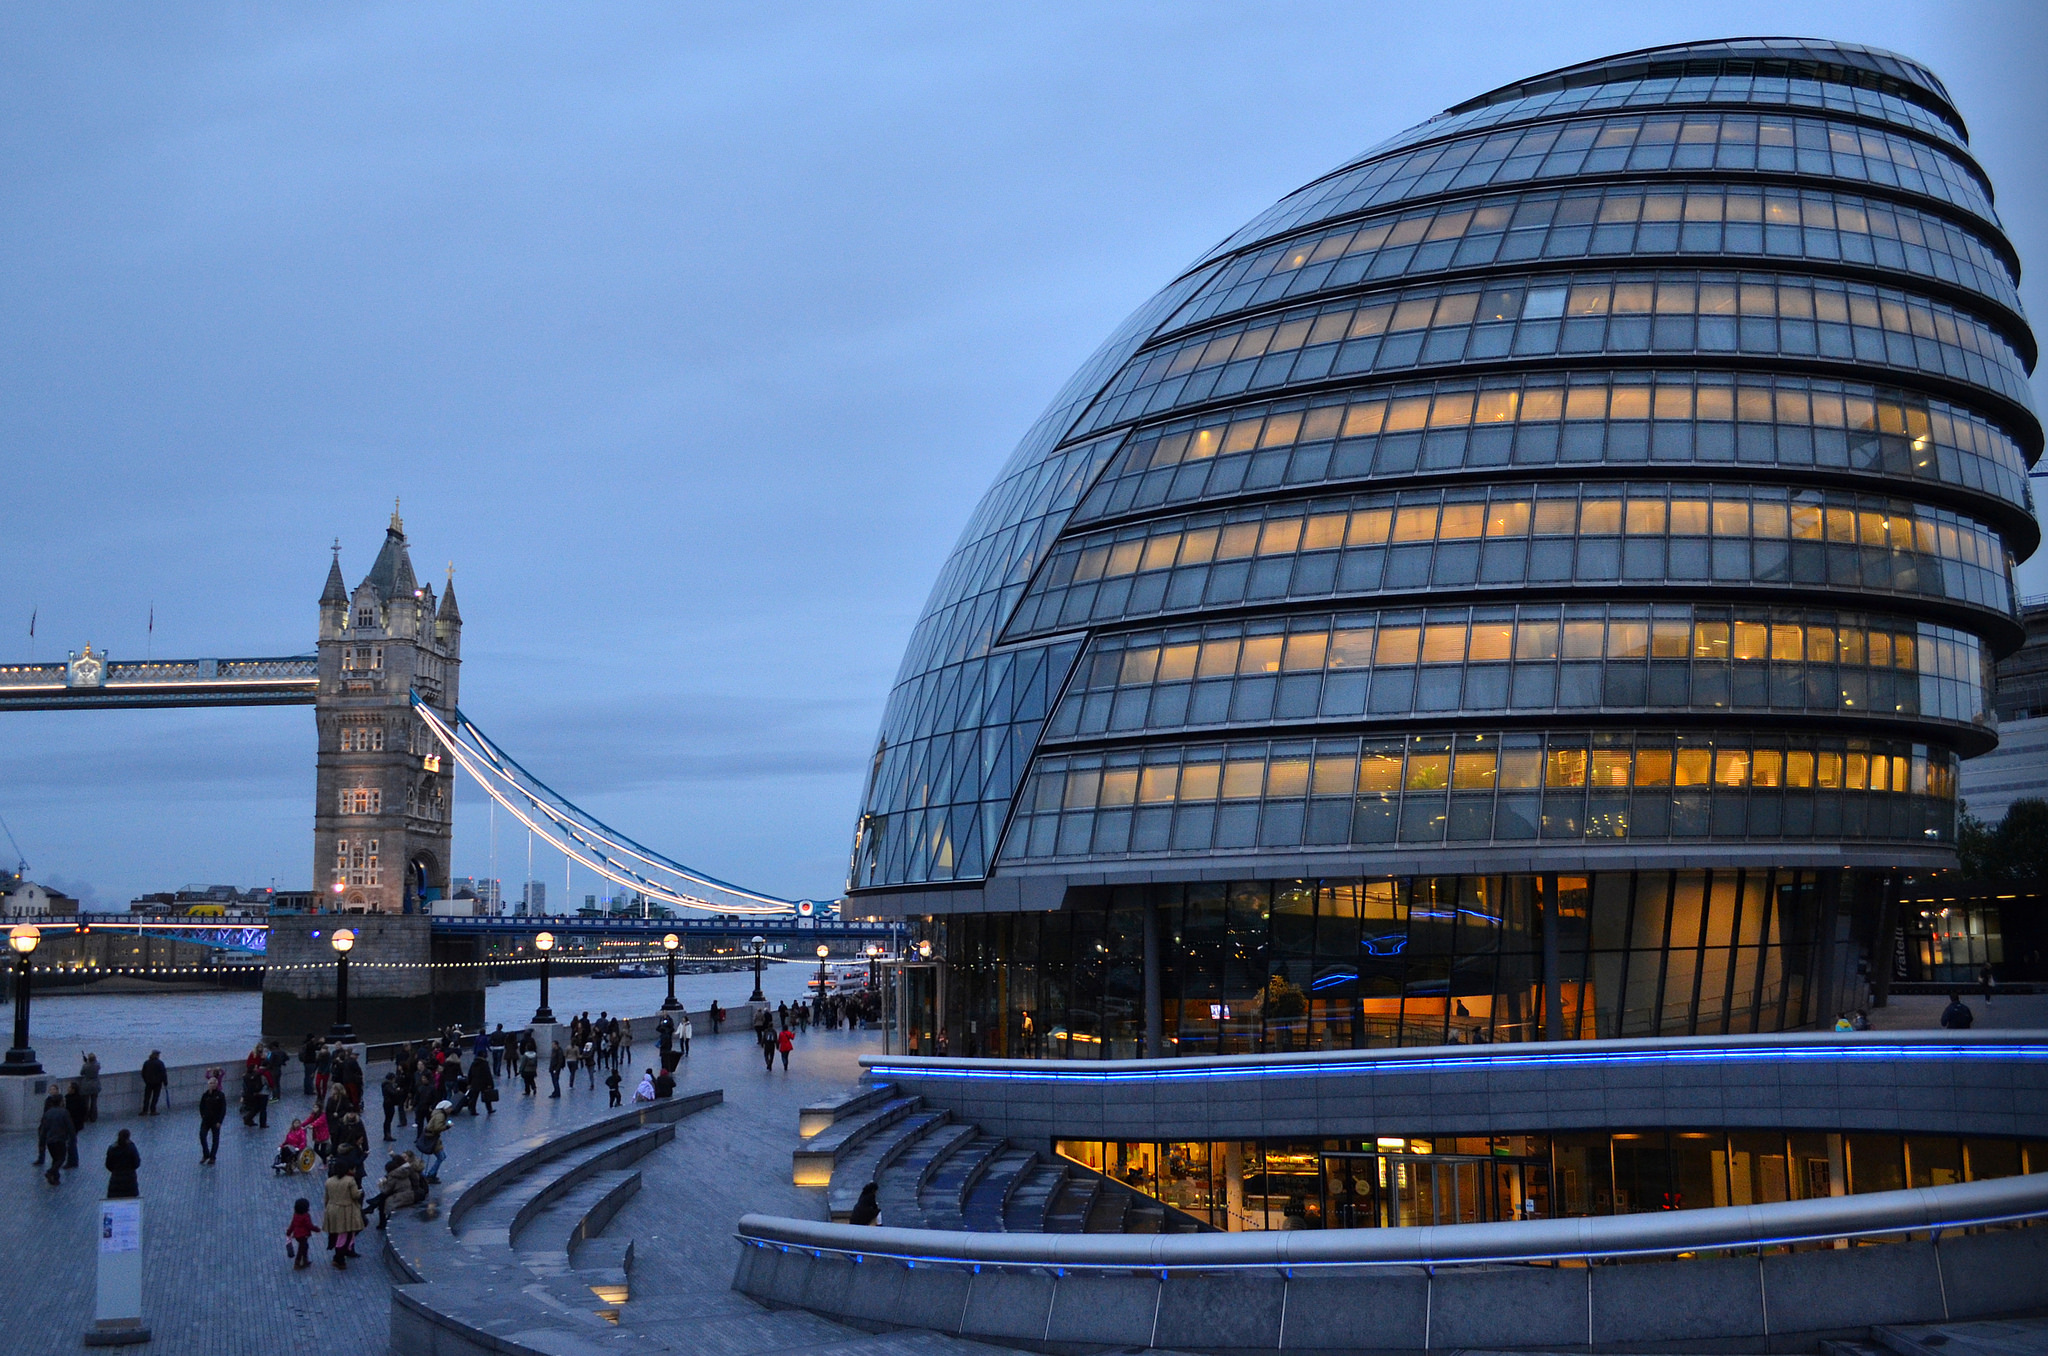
(216, 1280)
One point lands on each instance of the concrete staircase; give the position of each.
(931, 1172)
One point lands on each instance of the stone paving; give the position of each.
(216, 1281)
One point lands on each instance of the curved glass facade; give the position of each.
(1613, 484)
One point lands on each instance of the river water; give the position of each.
(193, 1028)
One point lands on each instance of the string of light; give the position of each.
(553, 959)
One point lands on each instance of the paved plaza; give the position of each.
(216, 1281)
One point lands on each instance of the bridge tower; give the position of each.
(383, 813)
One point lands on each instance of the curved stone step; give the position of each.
(1067, 1212)
(987, 1204)
(903, 1181)
(1025, 1212)
(943, 1200)
(873, 1158)
(509, 1205)
(813, 1164)
(821, 1115)
(1106, 1215)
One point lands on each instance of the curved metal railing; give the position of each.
(1738, 1228)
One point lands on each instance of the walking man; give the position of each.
(53, 1136)
(213, 1109)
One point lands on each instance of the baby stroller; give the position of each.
(296, 1153)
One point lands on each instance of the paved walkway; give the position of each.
(216, 1281)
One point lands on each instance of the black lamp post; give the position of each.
(543, 1015)
(24, 938)
(343, 941)
(760, 944)
(669, 943)
(823, 951)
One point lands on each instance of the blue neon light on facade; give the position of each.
(1388, 1068)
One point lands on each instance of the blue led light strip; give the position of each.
(910, 1259)
(1386, 1068)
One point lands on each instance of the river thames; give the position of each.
(192, 1028)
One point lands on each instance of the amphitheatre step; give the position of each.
(813, 1163)
(901, 1183)
(1107, 1214)
(1067, 1212)
(502, 1260)
(867, 1164)
(987, 1203)
(944, 1197)
(820, 1115)
(1033, 1197)
(508, 1206)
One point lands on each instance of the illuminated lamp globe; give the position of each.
(544, 941)
(823, 951)
(670, 942)
(924, 950)
(344, 940)
(24, 938)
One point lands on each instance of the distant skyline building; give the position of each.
(533, 899)
(485, 888)
(2018, 768)
(1537, 580)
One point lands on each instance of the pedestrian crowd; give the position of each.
(427, 1086)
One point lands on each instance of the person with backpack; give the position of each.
(430, 1143)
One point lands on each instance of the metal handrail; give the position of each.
(1739, 1228)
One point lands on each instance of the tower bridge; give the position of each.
(383, 682)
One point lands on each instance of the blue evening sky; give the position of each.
(690, 335)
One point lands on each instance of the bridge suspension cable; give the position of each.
(581, 836)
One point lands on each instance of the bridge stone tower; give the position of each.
(383, 817)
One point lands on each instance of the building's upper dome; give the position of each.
(1661, 413)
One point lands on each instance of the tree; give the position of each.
(2016, 849)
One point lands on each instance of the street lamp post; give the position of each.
(24, 938)
(343, 941)
(823, 951)
(669, 943)
(543, 1015)
(760, 944)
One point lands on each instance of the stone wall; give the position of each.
(402, 982)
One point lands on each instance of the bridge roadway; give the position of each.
(97, 683)
(652, 929)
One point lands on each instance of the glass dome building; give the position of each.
(1535, 581)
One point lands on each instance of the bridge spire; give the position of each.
(336, 592)
(397, 523)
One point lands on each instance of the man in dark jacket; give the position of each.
(79, 1107)
(395, 1097)
(482, 1087)
(309, 1055)
(154, 1076)
(1957, 1015)
(213, 1109)
(255, 1099)
(123, 1158)
(53, 1136)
